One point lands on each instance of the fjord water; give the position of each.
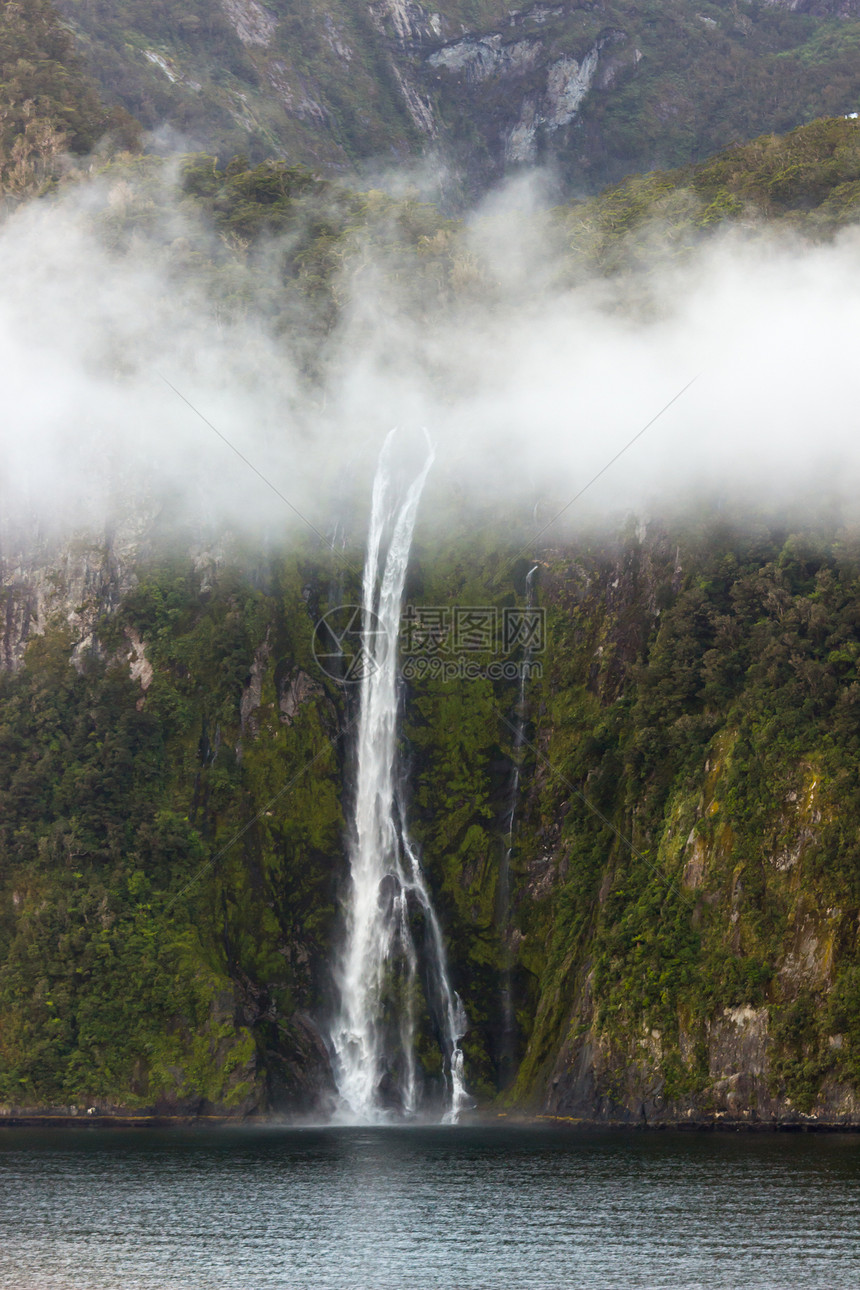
(374, 1031)
(415, 1209)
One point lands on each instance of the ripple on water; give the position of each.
(388, 1209)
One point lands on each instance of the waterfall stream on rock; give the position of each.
(507, 1060)
(384, 963)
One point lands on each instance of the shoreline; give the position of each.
(25, 1119)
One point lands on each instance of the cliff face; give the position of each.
(594, 90)
(147, 708)
(679, 928)
(688, 852)
(54, 584)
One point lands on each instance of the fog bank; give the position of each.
(528, 389)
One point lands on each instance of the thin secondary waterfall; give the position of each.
(383, 969)
(508, 1044)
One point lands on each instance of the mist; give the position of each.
(123, 379)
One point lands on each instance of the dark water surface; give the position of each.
(465, 1208)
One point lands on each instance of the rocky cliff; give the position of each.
(680, 930)
(119, 990)
(594, 90)
(707, 970)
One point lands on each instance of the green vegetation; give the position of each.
(808, 181)
(310, 83)
(685, 841)
(719, 741)
(147, 957)
(48, 106)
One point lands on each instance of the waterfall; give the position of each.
(507, 1054)
(382, 968)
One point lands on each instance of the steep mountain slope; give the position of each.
(682, 927)
(595, 89)
(689, 858)
(679, 932)
(48, 105)
(114, 991)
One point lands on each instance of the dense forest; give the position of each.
(49, 107)
(173, 839)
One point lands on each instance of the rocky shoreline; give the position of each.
(72, 1118)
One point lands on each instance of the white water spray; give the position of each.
(381, 971)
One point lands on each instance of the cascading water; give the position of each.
(507, 1054)
(381, 970)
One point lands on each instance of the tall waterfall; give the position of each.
(383, 969)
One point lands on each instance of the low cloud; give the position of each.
(528, 387)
